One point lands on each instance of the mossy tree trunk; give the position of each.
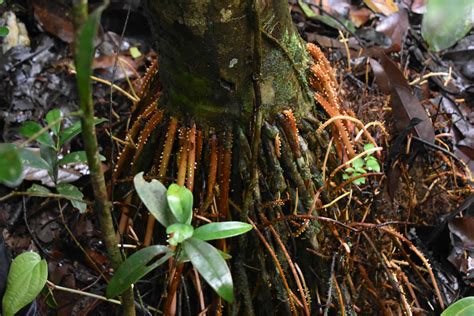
(236, 124)
(208, 54)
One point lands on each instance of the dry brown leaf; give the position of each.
(385, 7)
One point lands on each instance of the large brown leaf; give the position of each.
(405, 105)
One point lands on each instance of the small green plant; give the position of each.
(172, 208)
(51, 140)
(360, 166)
(463, 307)
(26, 278)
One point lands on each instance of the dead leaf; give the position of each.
(405, 107)
(385, 7)
(395, 26)
(54, 18)
(360, 16)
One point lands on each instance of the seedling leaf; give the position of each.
(222, 230)
(153, 195)
(136, 267)
(26, 278)
(54, 117)
(178, 233)
(211, 266)
(30, 128)
(180, 202)
(72, 191)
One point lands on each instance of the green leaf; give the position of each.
(345, 176)
(26, 278)
(53, 118)
(135, 52)
(358, 163)
(180, 202)
(222, 230)
(36, 188)
(350, 170)
(72, 191)
(33, 159)
(360, 170)
(153, 195)
(211, 266)
(49, 155)
(84, 54)
(358, 181)
(30, 128)
(368, 146)
(76, 157)
(4, 31)
(179, 233)
(463, 307)
(136, 267)
(11, 166)
(75, 129)
(446, 22)
(372, 164)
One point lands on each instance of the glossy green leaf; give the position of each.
(180, 202)
(26, 278)
(38, 189)
(221, 230)
(178, 233)
(4, 31)
(463, 307)
(72, 191)
(153, 195)
(11, 166)
(53, 118)
(32, 158)
(211, 266)
(372, 164)
(30, 129)
(136, 267)
(446, 22)
(76, 157)
(75, 129)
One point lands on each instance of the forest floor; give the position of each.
(421, 202)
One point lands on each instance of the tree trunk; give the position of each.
(236, 123)
(209, 53)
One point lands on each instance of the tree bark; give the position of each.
(207, 58)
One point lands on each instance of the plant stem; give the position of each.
(102, 205)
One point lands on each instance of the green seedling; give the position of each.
(172, 208)
(360, 166)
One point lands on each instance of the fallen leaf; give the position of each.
(385, 7)
(395, 26)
